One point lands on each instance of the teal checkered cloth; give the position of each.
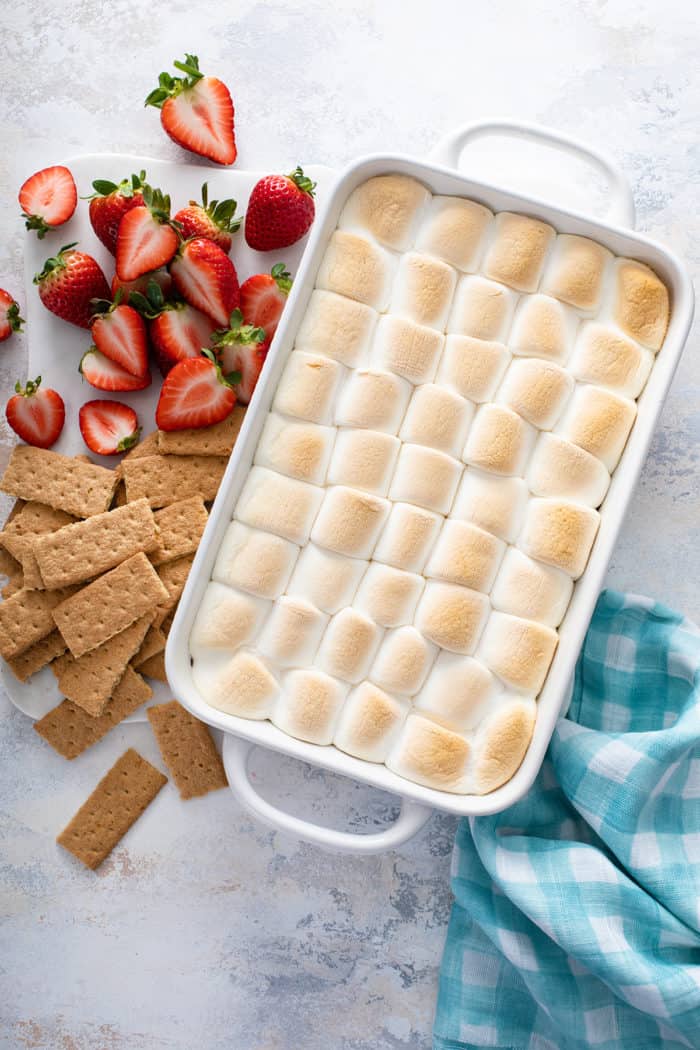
(576, 923)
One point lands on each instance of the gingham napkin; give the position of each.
(577, 915)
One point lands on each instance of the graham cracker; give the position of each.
(116, 803)
(67, 484)
(9, 566)
(188, 750)
(89, 548)
(154, 667)
(70, 730)
(35, 519)
(217, 440)
(147, 446)
(153, 643)
(181, 526)
(27, 617)
(14, 584)
(163, 480)
(109, 605)
(14, 510)
(90, 681)
(173, 575)
(37, 656)
(119, 496)
(167, 623)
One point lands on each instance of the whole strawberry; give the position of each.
(10, 321)
(206, 278)
(109, 204)
(69, 282)
(280, 211)
(140, 284)
(36, 415)
(214, 220)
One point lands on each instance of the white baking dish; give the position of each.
(441, 176)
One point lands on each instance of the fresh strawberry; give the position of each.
(109, 204)
(146, 239)
(105, 374)
(161, 277)
(263, 299)
(205, 276)
(196, 112)
(240, 351)
(36, 415)
(48, 199)
(119, 332)
(108, 427)
(194, 394)
(280, 211)
(214, 220)
(176, 330)
(10, 321)
(68, 284)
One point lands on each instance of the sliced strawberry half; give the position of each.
(48, 199)
(263, 298)
(119, 332)
(36, 415)
(104, 374)
(10, 321)
(108, 427)
(146, 239)
(176, 329)
(240, 351)
(194, 394)
(205, 276)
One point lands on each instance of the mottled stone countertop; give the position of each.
(204, 929)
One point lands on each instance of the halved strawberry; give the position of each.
(10, 321)
(109, 204)
(36, 415)
(241, 353)
(194, 394)
(214, 220)
(108, 427)
(205, 276)
(146, 239)
(176, 329)
(161, 277)
(68, 284)
(105, 374)
(48, 199)
(196, 111)
(119, 332)
(263, 298)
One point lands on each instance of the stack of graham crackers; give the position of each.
(96, 561)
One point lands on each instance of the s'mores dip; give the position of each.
(427, 486)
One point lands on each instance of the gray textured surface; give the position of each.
(203, 929)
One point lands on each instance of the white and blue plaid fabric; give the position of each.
(576, 923)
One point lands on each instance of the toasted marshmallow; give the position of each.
(295, 448)
(452, 617)
(518, 250)
(308, 387)
(349, 645)
(356, 267)
(309, 705)
(499, 441)
(431, 755)
(603, 356)
(536, 390)
(438, 418)
(641, 304)
(426, 477)
(364, 459)
(454, 230)
(529, 589)
(226, 619)
(481, 309)
(407, 349)
(349, 521)
(575, 271)
(241, 685)
(518, 651)
(370, 722)
(543, 327)
(292, 632)
(599, 422)
(493, 503)
(257, 562)
(457, 692)
(465, 554)
(423, 290)
(277, 504)
(337, 327)
(558, 468)
(407, 537)
(403, 661)
(374, 400)
(388, 208)
(559, 533)
(388, 595)
(501, 742)
(472, 367)
(328, 580)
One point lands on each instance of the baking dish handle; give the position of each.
(411, 818)
(448, 152)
